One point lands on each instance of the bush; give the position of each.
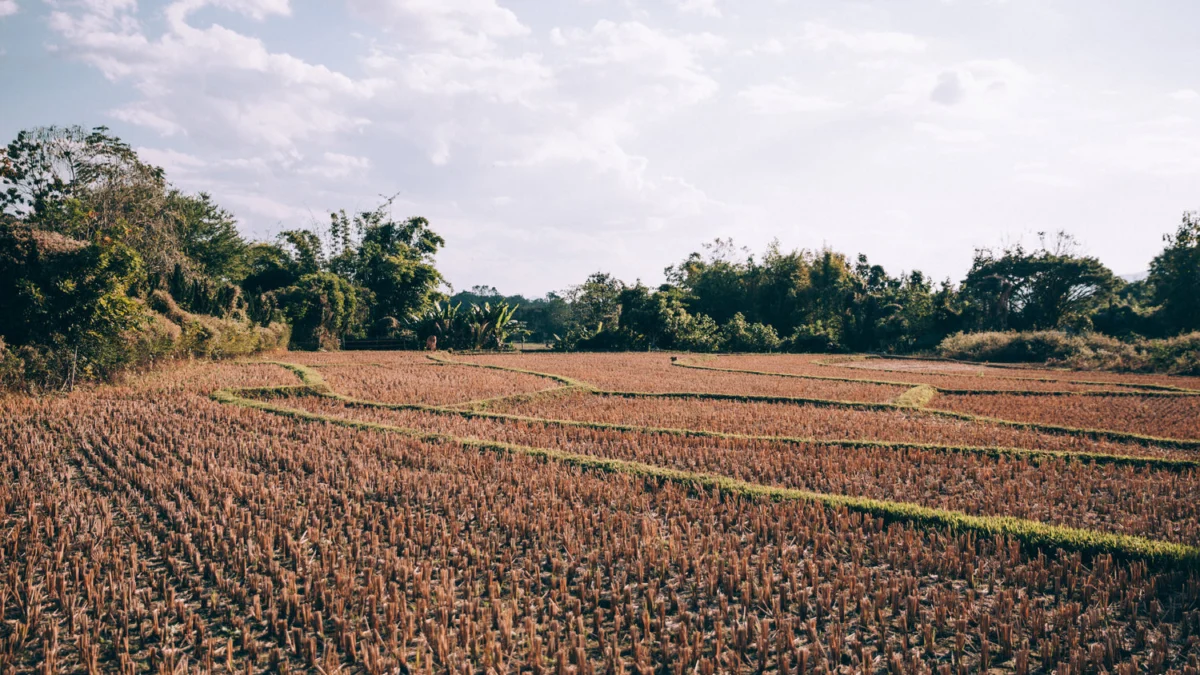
(817, 336)
(1091, 351)
(209, 336)
(320, 307)
(1179, 355)
(737, 335)
(698, 333)
(1011, 346)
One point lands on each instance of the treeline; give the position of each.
(105, 266)
(726, 299)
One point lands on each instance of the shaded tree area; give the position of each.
(538, 319)
(104, 266)
(724, 298)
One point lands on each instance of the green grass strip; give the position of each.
(1152, 391)
(1031, 533)
(1095, 434)
(837, 363)
(1163, 463)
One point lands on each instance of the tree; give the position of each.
(393, 260)
(491, 324)
(595, 302)
(738, 335)
(715, 284)
(1043, 289)
(1175, 276)
(208, 236)
(68, 296)
(87, 183)
(321, 308)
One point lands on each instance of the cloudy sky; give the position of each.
(546, 139)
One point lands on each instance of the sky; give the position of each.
(548, 139)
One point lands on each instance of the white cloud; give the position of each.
(335, 165)
(1040, 173)
(141, 115)
(173, 162)
(702, 7)
(255, 9)
(485, 74)
(821, 37)
(465, 25)
(8, 7)
(784, 98)
(769, 46)
(620, 144)
(950, 136)
(978, 89)
(644, 52)
(267, 98)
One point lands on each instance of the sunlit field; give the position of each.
(385, 512)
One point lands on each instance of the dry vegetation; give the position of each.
(279, 528)
(1174, 417)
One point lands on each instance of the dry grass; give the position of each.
(145, 527)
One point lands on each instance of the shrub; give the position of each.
(1090, 351)
(698, 333)
(737, 335)
(818, 336)
(321, 308)
(1011, 346)
(1179, 355)
(209, 336)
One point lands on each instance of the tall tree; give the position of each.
(1043, 289)
(1175, 276)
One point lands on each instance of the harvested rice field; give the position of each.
(400, 512)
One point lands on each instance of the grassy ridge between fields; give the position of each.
(1094, 434)
(1031, 533)
(838, 362)
(1153, 391)
(314, 386)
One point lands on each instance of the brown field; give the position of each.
(180, 523)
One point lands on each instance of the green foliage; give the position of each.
(386, 272)
(596, 301)
(486, 326)
(321, 309)
(817, 336)
(737, 335)
(1175, 277)
(1015, 347)
(210, 336)
(539, 319)
(1092, 351)
(1179, 355)
(208, 237)
(491, 325)
(1039, 290)
(90, 236)
(68, 297)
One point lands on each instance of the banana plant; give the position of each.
(440, 320)
(491, 325)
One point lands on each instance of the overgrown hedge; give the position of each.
(1090, 351)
